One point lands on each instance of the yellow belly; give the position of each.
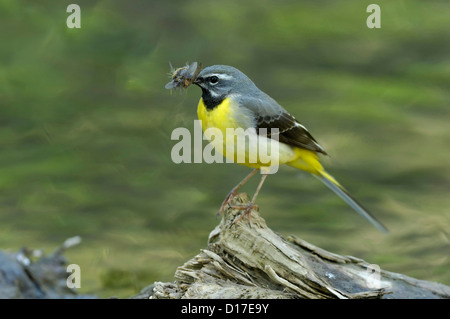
(228, 129)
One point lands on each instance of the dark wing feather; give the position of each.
(269, 114)
(291, 132)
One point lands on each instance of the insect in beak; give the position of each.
(184, 76)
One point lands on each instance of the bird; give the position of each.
(231, 101)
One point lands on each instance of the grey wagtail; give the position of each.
(230, 100)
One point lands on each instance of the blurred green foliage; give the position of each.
(85, 126)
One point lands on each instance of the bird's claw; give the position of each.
(247, 211)
(226, 202)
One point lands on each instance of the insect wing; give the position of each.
(171, 85)
(192, 68)
(197, 70)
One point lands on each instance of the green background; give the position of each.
(85, 130)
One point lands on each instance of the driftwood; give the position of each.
(245, 260)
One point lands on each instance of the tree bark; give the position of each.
(245, 260)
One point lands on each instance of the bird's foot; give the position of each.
(247, 211)
(226, 201)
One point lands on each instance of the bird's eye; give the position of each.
(213, 79)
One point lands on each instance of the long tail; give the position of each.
(332, 184)
(309, 161)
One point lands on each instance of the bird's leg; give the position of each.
(233, 192)
(251, 205)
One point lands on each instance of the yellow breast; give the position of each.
(220, 117)
(240, 145)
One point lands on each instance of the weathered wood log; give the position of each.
(245, 260)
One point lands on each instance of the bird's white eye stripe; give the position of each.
(222, 76)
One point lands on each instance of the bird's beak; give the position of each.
(198, 81)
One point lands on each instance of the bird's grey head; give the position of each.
(219, 81)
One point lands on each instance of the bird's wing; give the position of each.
(270, 115)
